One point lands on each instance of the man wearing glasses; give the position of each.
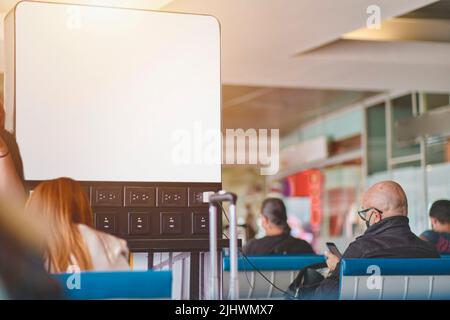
(384, 210)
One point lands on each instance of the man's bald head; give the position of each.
(387, 196)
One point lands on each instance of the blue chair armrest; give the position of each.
(275, 262)
(117, 285)
(392, 267)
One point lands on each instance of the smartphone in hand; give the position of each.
(334, 250)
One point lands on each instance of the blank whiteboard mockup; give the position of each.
(100, 93)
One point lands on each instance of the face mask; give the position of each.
(368, 221)
(362, 214)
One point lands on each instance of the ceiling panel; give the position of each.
(261, 38)
(437, 10)
(284, 108)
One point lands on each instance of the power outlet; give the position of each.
(105, 222)
(171, 223)
(140, 197)
(200, 223)
(196, 197)
(172, 197)
(107, 197)
(139, 223)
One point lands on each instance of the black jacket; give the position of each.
(389, 238)
(281, 244)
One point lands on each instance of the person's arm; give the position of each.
(329, 287)
(333, 262)
(11, 187)
(430, 236)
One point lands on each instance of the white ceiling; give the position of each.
(263, 41)
(286, 27)
(284, 43)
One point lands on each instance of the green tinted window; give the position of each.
(436, 150)
(402, 109)
(376, 138)
(435, 100)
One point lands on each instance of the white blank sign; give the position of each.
(101, 91)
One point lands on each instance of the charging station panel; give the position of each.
(146, 217)
(117, 95)
(128, 102)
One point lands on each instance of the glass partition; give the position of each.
(402, 108)
(423, 169)
(435, 100)
(376, 138)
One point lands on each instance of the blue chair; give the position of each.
(395, 279)
(280, 270)
(117, 285)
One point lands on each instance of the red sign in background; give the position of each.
(308, 183)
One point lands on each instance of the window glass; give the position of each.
(437, 150)
(341, 200)
(435, 100)
(438, 180)
(402, 109)
(376, 138)
(410, 177)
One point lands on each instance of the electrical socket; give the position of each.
(171, 223)
(200, 223)
(199, 197)
(105, 222)
(107, 197)
(140, 196)
(138, 223)
(172, 197)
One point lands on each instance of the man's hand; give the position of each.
(332, 260)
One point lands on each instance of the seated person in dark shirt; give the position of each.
(278, 239)
(388, 235)
(439, 236)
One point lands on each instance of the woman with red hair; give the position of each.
(71, 240)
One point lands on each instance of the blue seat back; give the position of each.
(387, 279)
(274, 263)
(279, 270)
(117, 285)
